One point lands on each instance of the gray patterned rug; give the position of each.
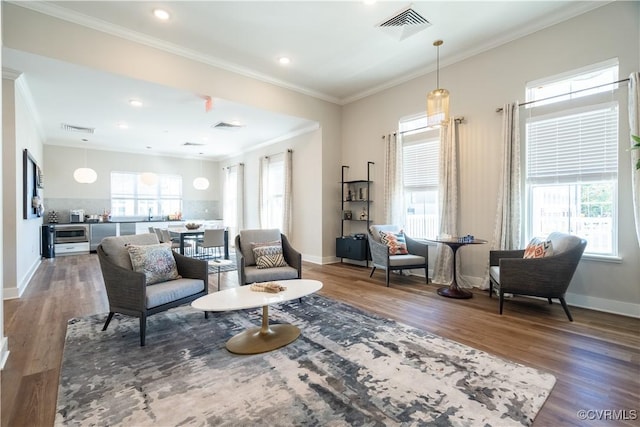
(347, 368)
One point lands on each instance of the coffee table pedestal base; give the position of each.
(263, 339)
(454, 292)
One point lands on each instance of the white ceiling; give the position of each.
(338, 54)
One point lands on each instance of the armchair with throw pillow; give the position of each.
(391, 249)
(143, 277)
(544, 269)
(266, 255)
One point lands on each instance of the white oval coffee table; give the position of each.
(266, 337)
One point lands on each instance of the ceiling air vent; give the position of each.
(72, 128)
(404, 23)
(192, 144)
(226, 126)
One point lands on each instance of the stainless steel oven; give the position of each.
(72, 233)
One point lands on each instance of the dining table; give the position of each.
(185, 233)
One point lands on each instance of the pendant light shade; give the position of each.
(85, 175)
(437, 99)
(201, 183)
(149, 178)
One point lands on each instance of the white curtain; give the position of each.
(507, 232)
(286, 199)
(233, 199)
(448, 199)
(634, 127)
(262, 167)
(393, 200)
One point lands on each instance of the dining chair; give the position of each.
(213, 239)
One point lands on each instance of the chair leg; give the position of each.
(426, 275)
(387, 276)
(206, 314)
(550, 302)
(109, 317)
(501, 300)
(566, 308)
(143, 329)
(372, 270)
(490, 288)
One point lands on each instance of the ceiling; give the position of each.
(338, 52)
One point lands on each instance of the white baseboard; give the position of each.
(600, 304)
(12, 293)
(4, 351)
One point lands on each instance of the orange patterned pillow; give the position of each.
(538, 248)
(396, 242)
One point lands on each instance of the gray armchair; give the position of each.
(418, 256)
(127, 290)
(547, 277)
(248, 271)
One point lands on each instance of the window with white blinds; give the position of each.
(420, 165)
(571, 149)
(573, 146)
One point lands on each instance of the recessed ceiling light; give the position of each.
(135, 103)
(284, 60)
(161, 14)
(123, 125)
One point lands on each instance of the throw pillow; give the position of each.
(269, 256)
(155, 261)
(395, 241)
(538, 248)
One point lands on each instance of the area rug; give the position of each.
(348, 367)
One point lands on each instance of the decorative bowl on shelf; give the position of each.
(192, 226)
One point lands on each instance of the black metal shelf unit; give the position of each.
(356, 195)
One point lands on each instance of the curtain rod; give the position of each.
(232, 166)
(288, 150)
(499, 109)
(457, 120)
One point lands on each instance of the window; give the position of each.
(133, 196)
(572, 160)
(273, 192)
(420, 163)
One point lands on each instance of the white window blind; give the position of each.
(420, 165)
(573, 146)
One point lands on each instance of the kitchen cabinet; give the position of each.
(127, 228)
(99, 231)
(71, 248)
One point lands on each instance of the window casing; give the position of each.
(130, 196)
(572, 160)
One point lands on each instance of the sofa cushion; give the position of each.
(376, 229)
(254, 274)
(155, 261)
(247, 237)
(115, 247)
(538, 248)
(166, 292)
(269, 256)
(395, 241)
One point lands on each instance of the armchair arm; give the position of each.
(417, 248)
(240, 262)
(547, 277)
(291, 256)
(379, 252)
(496, 255)
(192, 268)
(126, 289)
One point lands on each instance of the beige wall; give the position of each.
(480, 84)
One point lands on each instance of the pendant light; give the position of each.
(201, 183)
(149, 178)
(437, 99)
(85, 175)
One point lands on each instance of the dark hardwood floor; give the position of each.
(596, 358)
